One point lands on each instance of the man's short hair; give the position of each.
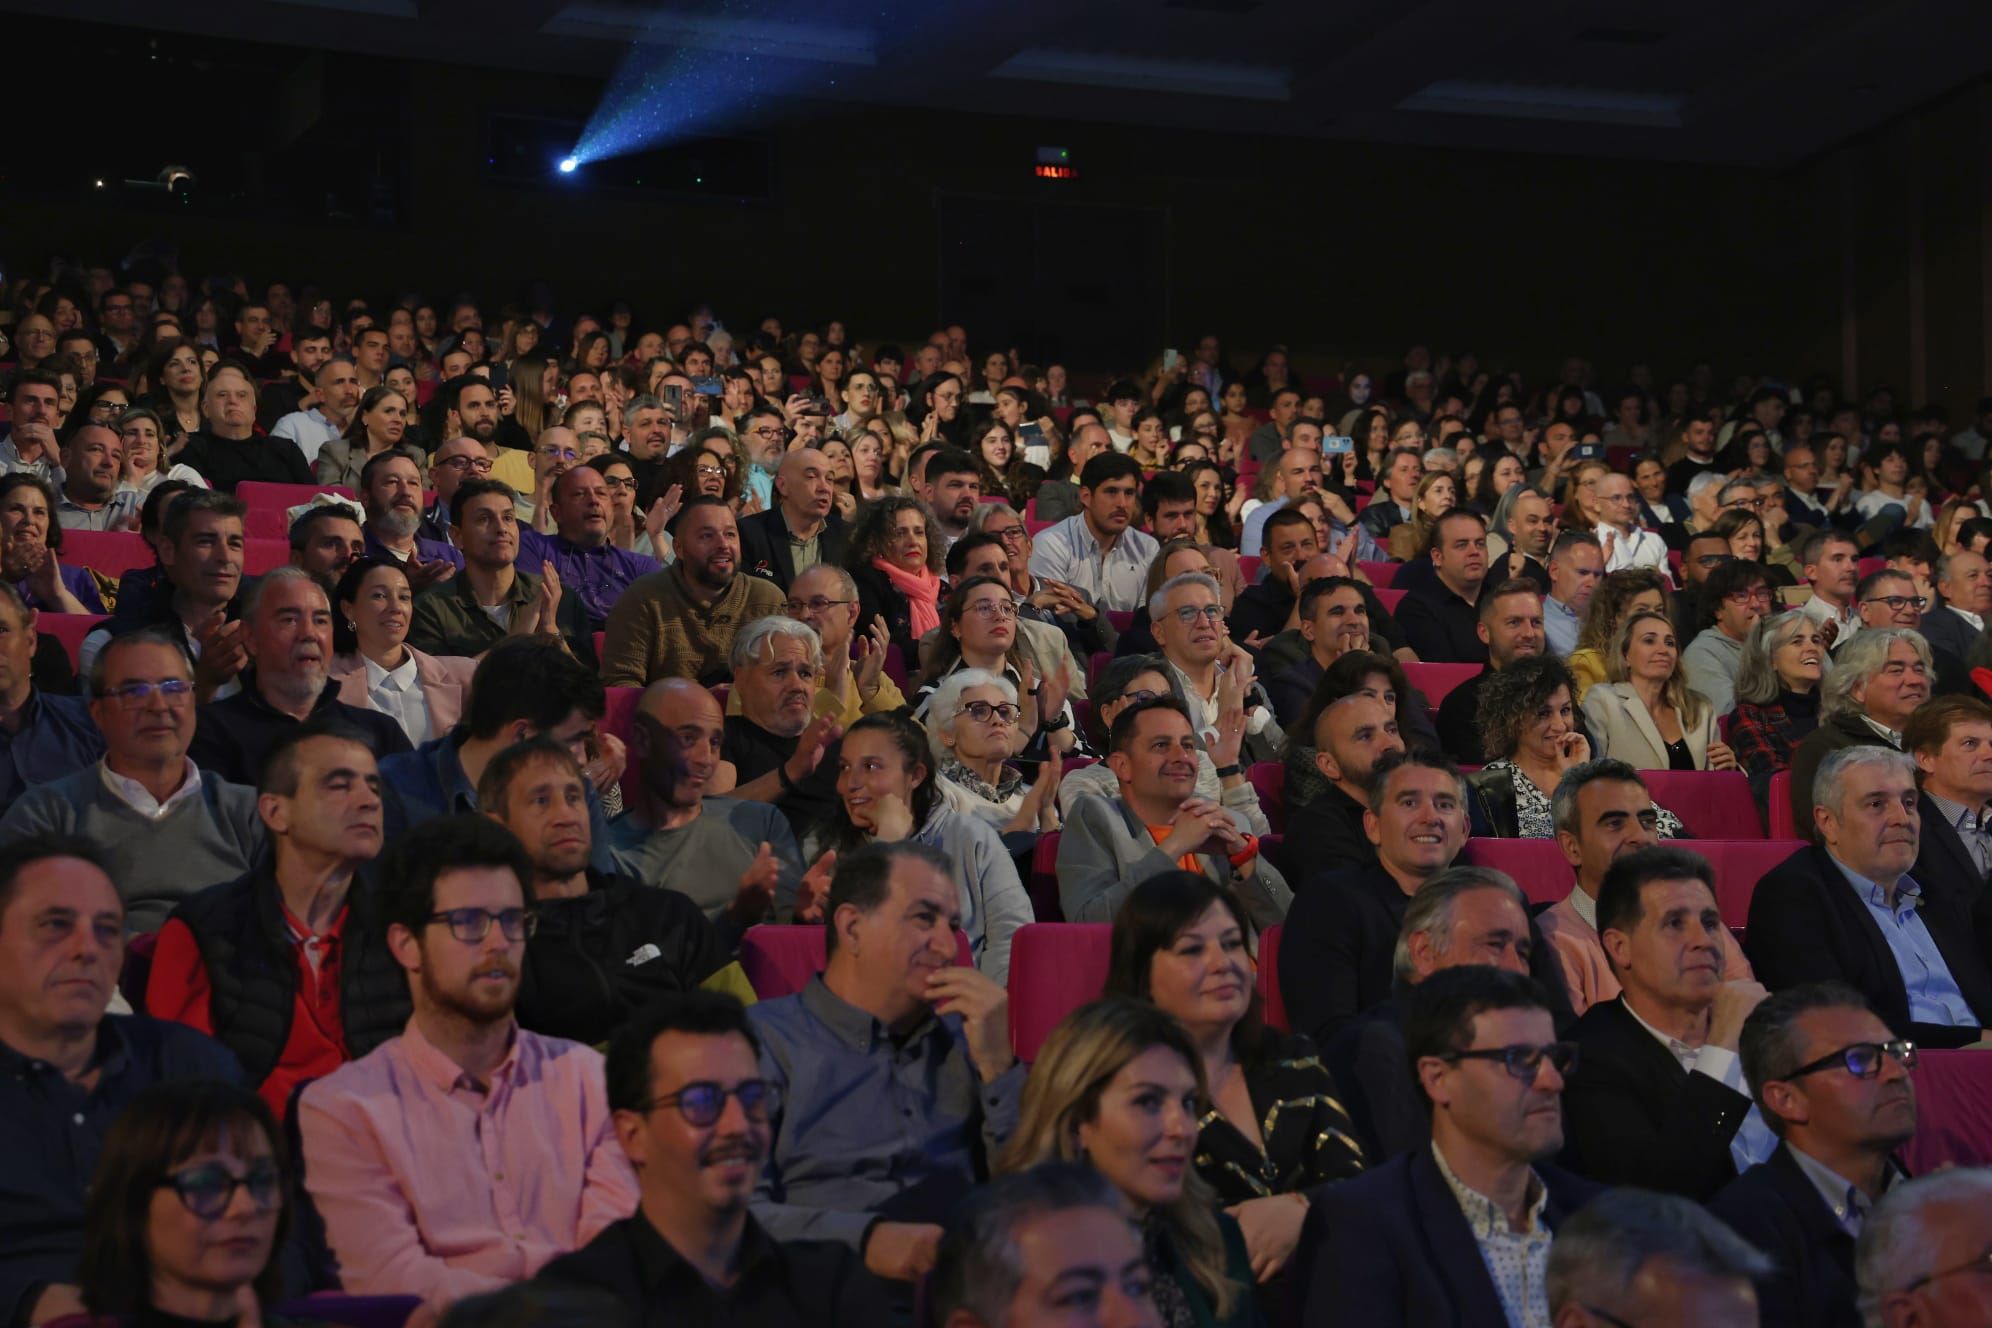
(1599, 1251)
(966, 547)
(1518, 585)
(1573, 539)
(1107, 467)
(1769, 1044)
(1828, 783)
(1439, 1012)
(1311, 593)
(535, 681)
(1167, 486)
(749, 640)
(979, 1266)
(1563, 804)
(318, 514)
(949, 461)
(32, 378)
(18, 856)
(1896, 1243)
(416, 858)
(252, 598)
(379, 459)
(1160, 598)
(864, 879)
(698, 1013)
(1432, 907)
(1866, 586)
(1930, 727)
(180, 513)
(478, 487)
(1813, 547)
(1455, 514)
(1285, 516)
(280, 774)
(1121, 735)
(1619, 904)
(494, 786)
(1413, 758)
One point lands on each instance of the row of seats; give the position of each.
(1540, 868)
(115, 552)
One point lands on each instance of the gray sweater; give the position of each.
(705, 857)
(1105, 852)
(207, 840)
(1711, 661)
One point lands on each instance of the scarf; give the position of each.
(923, 594)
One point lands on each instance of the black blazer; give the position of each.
(879, 598)
(1775, 1208)
(1633, 1116)
(1943, 859)
(1808, 925)
(1943, 629)
(1335, 952)
(1367, 1062)
(764, 545)
(1328, 830)
(1391, 1248)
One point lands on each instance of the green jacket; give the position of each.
(449, 621)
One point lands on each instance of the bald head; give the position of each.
(678, 731)
(557, 451)
(93, 462)
(803, 482)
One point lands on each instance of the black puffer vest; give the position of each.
(251, 967)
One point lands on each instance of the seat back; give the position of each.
(264, 555)
(1953, 1111)
(1269, 782)
(780, 960)
(1055, 967)
(1739, 864)
(1713, 804)
(267, 493)
(266, 523)
(1435, 680)
(1390, 599)
(1272, 1007)
(619, 718)
(1043, 885)
(1537, 865)
(111, 552)
(1777, 797)
(1380, 574)
(69, 629)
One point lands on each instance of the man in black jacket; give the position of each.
(1351, 735)
(692, 1111)
(1661, 1102)
(802, 529)
(1849, 910)
(1834, 1084)
(1951, 742)
(1511, 627)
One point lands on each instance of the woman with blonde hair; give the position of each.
(1437, 494)
(1618, 595)
(1119, 1085)
(1647, 715)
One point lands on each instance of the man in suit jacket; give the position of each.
(1964, 596)
(1158, 824)
(1951, 742)
(802, 529)
(1346, 923)
(1849, 910)
(1413, 1241)
(1877, 682)
(1661, 1102)
(1819, 1063)
(1889, 599)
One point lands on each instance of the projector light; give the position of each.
(567, 165)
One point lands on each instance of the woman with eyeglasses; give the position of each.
(973, 720)
(886, 791)
(1274, 1128)
(1119, 1086)
(376, 667)
(1647, 715)
(379, 425)
(979, 631)
(1777, 695)
(187, 1209)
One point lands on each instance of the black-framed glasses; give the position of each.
(814, 604)
(1897, 603)
(1522, 1060)
(1982, 1264)
(1862, 1060)
(618, 484)
(1189, 613)
(471, 925)
(132, 695)
(984, 711)
(482, 465)
(703, 1103)
(1761, 595)
(208, 1189)
(1012, 535)
(1711, 561)
(1139, 695)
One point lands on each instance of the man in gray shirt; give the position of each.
(889, 1065)
(731, 856)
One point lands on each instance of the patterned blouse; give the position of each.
(1308, 1138)
(1533, 818)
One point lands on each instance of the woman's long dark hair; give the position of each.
(1219, 522)
(345, 639)
(1150, 919)
(836, 830)
(161, 1128)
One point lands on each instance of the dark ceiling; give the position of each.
(1729, 81)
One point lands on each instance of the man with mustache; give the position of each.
(92, 461)
(1846, 908)
(1880, 680)
(694, 1113)
(465, 1153)
(285, 966)
(1833, 1082)
(680, 622)
(391, 492)
(288, 620)
(1661, 1102)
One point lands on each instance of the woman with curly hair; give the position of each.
(896, 557)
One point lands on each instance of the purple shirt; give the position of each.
(78, 581)
(597, 576)
(427, 550)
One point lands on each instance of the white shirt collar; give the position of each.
(1586, 908)
(1977, 622)
(402, 679)
(1680, 1050)
(139, 798)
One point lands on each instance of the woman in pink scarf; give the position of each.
(895, 558)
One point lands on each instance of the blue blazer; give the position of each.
(1390, 1249)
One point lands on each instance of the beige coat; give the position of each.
(1623, 729)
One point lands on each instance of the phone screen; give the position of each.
(1335, 443)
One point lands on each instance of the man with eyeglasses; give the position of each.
(117, 332)
(1889, 600)
(1624, 544)
(467, 1152)
(1833, 1082)
(68, 1067)
(1456, 1230)
(461, 458)
(285, 965)
(694, 1114)
(1734, 599)
(1925, 1253)
(802, 528)
(1215, 674)
(852, 685)
(1662, 1102)
(1086, 626)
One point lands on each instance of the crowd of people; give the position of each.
(375, 924)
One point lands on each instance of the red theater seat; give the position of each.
(780, 961)
(1043, 884)
(112, 552)
(264, 493)
(1739, 864)
(1537, 865)
(68, 628)
(1391, 598)
(1435, 680)
(619, 718)
(1272, 1007)
(1953, 1111)
(1783, 824)
(267, 523)
(1268, 780)
(1713, 804)
(1248, 568)
(264, 555)
(1380, 574)
(1055, 967)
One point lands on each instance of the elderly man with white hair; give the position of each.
(1845, 908)
(972, 719)
(1229, 710)
(1877, 682)
(1925, 1253)
(782, 750)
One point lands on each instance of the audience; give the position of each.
(376, 667)
(972, 721)
(854, 682)
(200, 552)
(1441, 619)
(1951, 742)
(896, 556)
(43, 737)
(1735, 598)
(681, 622)
(1646, 715)
(1333, 620)
(802, 530)
(493, 598)
(601, 576)
(390, 487)
(1098, 551)
(1619, 596)
(1633, 1256)
(782, 751)
(1830, 560)
(464, 1152)
(1211, 675)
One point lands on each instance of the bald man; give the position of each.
(92, 461)
(801, 529)
(737, 859)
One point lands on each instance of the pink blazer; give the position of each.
(445, 683)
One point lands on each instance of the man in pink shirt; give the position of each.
(466, 1152)
(1601, 810)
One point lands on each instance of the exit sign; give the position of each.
(1055, 163)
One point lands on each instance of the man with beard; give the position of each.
(1441, 621)
(592, 569)
(92, 461)
(680, 622)
(1510, 628)
(391, 492)
(225, 449)
(1097, 551)
(326, 540)
(737, 859)
(288, 618)
(297, 391)
(338, 396)
(951, 485)
(694, 1115)
(467, 1152)
(494, 598)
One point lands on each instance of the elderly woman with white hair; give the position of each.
(1878, 680)
(1777, 695)
(972, 719)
